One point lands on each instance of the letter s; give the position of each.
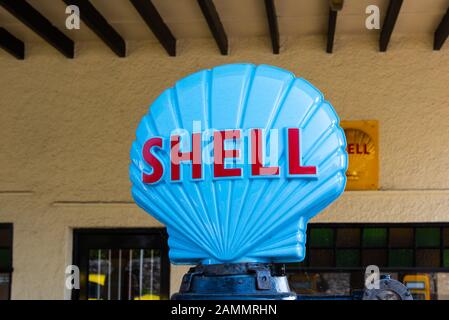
(158, 169)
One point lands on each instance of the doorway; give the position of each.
(121, 264)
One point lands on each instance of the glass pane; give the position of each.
(321, 237)
(357, 282)
(348, 237)
(446, 237)
(446, 258)
(374, 237)
(4, 286)
(321, 258)
(376, 257)
(147, 269)
(348, 258)
(5, 237)
(427, 237)
(400, 258)
(309, 284)
(5, 255)
(428, 258)
(401, 237)
(98, 274)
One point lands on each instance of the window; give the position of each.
(5, 260)
(122, 264)
(338, 254)
(391, 246)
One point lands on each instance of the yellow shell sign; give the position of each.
(363, 149)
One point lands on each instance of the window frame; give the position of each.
(114, 242)
(10, 228)
(305, 267)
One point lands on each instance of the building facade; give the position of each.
(67, 128)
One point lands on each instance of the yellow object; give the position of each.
(148, 297)
(97, 278)
(362, 139)
(419, 286)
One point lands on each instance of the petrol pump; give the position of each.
(235, 161)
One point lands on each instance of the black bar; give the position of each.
(331, 30)
(273, 24)
(215, 25)
(152, 18)
(23, 11)
(442, 32)
(98, 24)
(11, 44)
(390, 20)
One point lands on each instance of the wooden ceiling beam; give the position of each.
(32, 18)
(11, 44)
(390, 20)
(331, 25)
(215, 25)
(154, 21)
(273, 25)
(100, 26)
(441, 32)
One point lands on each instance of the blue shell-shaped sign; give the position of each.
(235, 161)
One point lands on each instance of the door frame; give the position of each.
(120, 238)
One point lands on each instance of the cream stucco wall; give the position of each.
(66, 127)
